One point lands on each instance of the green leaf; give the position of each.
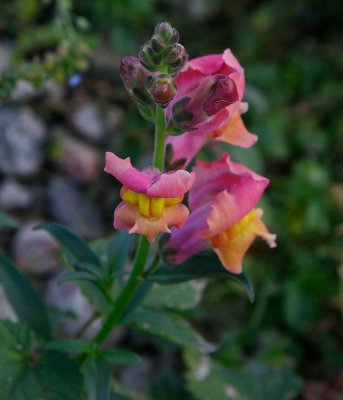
(80, 256)
(24, 299)
(68, 345)
(75, 276)
(75, 249)
(197, 267)
(207, 379)
(25, 374)
(121, 392)
(7, 222)
(120, 356)
(97, 376)
(169, 326)
(184, 296)
(113, 252)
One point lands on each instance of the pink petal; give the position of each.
(172, 184)
(188, 144)
(188, 240)
(211, 178)
(126, 174)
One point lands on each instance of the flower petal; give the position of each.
(129, 176)
(128, 217)
(188, 240)
(232, 244)
(212, 178)
(171, 184)
(235, 132)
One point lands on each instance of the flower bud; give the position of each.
(176, 58)
(149, 58)
(212, 95)
(224, 94)
(136, 79)
(162, 89)
(166, 34)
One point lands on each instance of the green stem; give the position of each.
(136, 276)
(127, 293)
(160, 138)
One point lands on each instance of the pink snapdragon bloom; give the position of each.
(223, 215)
(216, 84)
(151, 199)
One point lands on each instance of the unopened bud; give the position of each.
(149, 58)
(166, 34)
(212, 95)
(176, 59)
(162, 89)
(136, 79)
(225, 93)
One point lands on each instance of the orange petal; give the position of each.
(235, 132)
(232, 244)
(128, 217)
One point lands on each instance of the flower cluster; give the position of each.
(203, 101)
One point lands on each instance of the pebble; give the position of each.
(6, 310)
(78, 160)
(35, 251)
(14, 195)
(67, 298)
(6, 50)
(71, 207)
(21, 138)
(88, 121)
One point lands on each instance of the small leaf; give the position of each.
(68, 345)
(27, 375)
(24, 299)
(197, 267)
(120, 356)
(75, 276)
(7, 222)
(184, 296)
(75, 249)
(169, 326)
(113, 251)
(97, 376)
(207, 379)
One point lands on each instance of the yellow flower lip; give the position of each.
(149, 207)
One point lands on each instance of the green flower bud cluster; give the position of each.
(162, 52)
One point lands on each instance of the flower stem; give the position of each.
(136, 276)
(128, 291)
(160, 138)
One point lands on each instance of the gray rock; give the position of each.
(35, 251)
(78, 160)
(6, 310)
(71, 207)
(72, 304)
(6, 50)
(24, 90)
(13, 195)
(89, 122)
(21, 139)
(137, 376)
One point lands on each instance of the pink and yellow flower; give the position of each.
(151, 199)
(223, 215)
(222, 108)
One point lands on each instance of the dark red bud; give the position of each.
(162, 89)
(224, 94)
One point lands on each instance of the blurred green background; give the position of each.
(293, 60)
